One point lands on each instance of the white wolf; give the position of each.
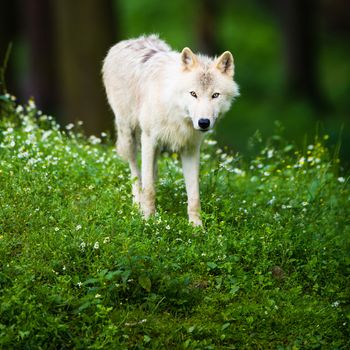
(165, 98)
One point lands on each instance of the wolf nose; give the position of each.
(204, 123)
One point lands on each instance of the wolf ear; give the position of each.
(225, 64)
(188, 58)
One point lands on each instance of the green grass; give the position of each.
(81, 269)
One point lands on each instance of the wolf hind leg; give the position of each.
(127, 150)
(148, 162)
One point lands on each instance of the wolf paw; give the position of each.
(195, 221)
(147, 212)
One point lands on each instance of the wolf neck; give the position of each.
(178, 134)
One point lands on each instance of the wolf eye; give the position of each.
(215, 95)
(193, 94)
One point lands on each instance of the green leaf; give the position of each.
(212, 265)
(250, 319)
(145, 282)
(191, 329)
(91, 281)
(288, 148)
(224, 326)
(234, 289)
(111, 274)
(146, 338)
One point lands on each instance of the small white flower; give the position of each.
(56, 229)
(31, 104)
(69, 126)
(23, 155)
(270, 153)
(223, 156)
(46, 134)
(103, 134)
(272, 200)
(79, 284)
(82, 245)
(106, 240)
(78, 227)
(96, 245)
(304, 204)
(229, 159)
(341, 179)
(167, 227)
(94, 140)
(97, 296)
(310, 147)
(211, 142)
(239, 172)
(335, 304)
(19, 109)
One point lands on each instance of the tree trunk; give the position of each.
(298, 26)
(206, 25)
(8, 34)
(37, 31)
(85, 31)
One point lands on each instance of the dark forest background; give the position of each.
(292, 58)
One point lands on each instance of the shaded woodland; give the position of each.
(291, 56)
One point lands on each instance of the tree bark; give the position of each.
(37, 31)
(84, 31)
(8, 34)
(206, 25)
(298, 24)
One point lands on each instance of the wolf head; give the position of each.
(207, 87)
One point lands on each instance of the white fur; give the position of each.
(149, 89)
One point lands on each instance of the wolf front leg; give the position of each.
(148, 158)
(190, 167)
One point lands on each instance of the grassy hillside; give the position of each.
(81, 269)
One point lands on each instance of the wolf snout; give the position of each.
(204, 123)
